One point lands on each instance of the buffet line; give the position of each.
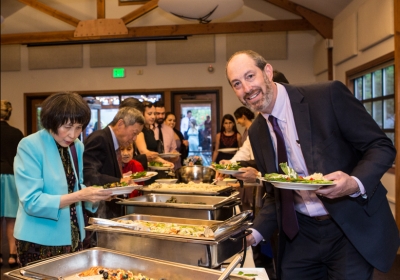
(179, 228)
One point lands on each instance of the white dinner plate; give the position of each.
(149, 174)
(229, 172)
(169, 155)
(123, 190)
(159, 167)
(260, 272)
(228, 150)
(295, 186)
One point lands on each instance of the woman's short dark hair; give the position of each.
(243, 111)
(63, 107)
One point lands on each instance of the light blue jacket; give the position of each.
(41, 181)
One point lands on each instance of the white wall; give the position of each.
(297, 68)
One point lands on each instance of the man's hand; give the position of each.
(344, 185)
(249, 176)
(250, 240)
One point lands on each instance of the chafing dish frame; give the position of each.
(206, 252)
(71, 264)
(216, 207)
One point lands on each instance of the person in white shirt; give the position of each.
(185, 123)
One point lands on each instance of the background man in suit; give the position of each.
(337, 232)
(101, 161)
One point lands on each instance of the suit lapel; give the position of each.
(112, 151)
(302, 120)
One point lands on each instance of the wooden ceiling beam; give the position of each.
(321, 23)
(164, 31)
(140, 11)
(101, 9)
(51, 11)
(286, 5)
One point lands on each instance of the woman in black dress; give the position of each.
(229, 137)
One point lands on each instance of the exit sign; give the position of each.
(119, 73)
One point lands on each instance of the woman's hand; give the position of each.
(185, 142)
(151, 156)
(91, 194)
(94, 194)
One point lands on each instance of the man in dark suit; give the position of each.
(100, 159)
(340, 231)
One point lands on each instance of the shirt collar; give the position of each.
(115, 141)
(280, 107)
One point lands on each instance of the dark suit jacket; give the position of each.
(100, 167)
(336, 133)
(100, 164)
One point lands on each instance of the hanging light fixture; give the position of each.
(202, 10)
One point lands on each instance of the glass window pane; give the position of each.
(389, 80)
(144, 96)
(368, 107)
(108, 100)
(358, 88)
(377, 83)
(367, 86)
(391, 136)
(106, 116)
(388, 113)
(377, 113)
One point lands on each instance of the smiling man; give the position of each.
(341, 231)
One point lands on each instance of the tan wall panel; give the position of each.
(10, 58)
(196, 49)
(55, 57)
(118, 54)
(270, 45)
(320, 57)
(345, 39)
(375, 22)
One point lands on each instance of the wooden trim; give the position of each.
(51, 11)
(373, 63)
(101, 9)
(132, 3)
(164, 31)
(396, 11)
(330, 64)
(149, 6)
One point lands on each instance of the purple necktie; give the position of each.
(289, 220)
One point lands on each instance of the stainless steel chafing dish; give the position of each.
(169, 188)
(186, 206)
(68, 266)
(202, 251)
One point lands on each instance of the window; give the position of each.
(375, 89)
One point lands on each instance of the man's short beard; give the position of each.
(264, 101)
(159, 121)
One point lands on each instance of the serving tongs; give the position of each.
(109, 223)
(231, 222)
(39, 276)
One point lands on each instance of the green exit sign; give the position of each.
(119, 73)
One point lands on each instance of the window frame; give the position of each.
(369, 67)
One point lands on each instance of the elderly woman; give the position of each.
(48, 176)
(9, 139)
